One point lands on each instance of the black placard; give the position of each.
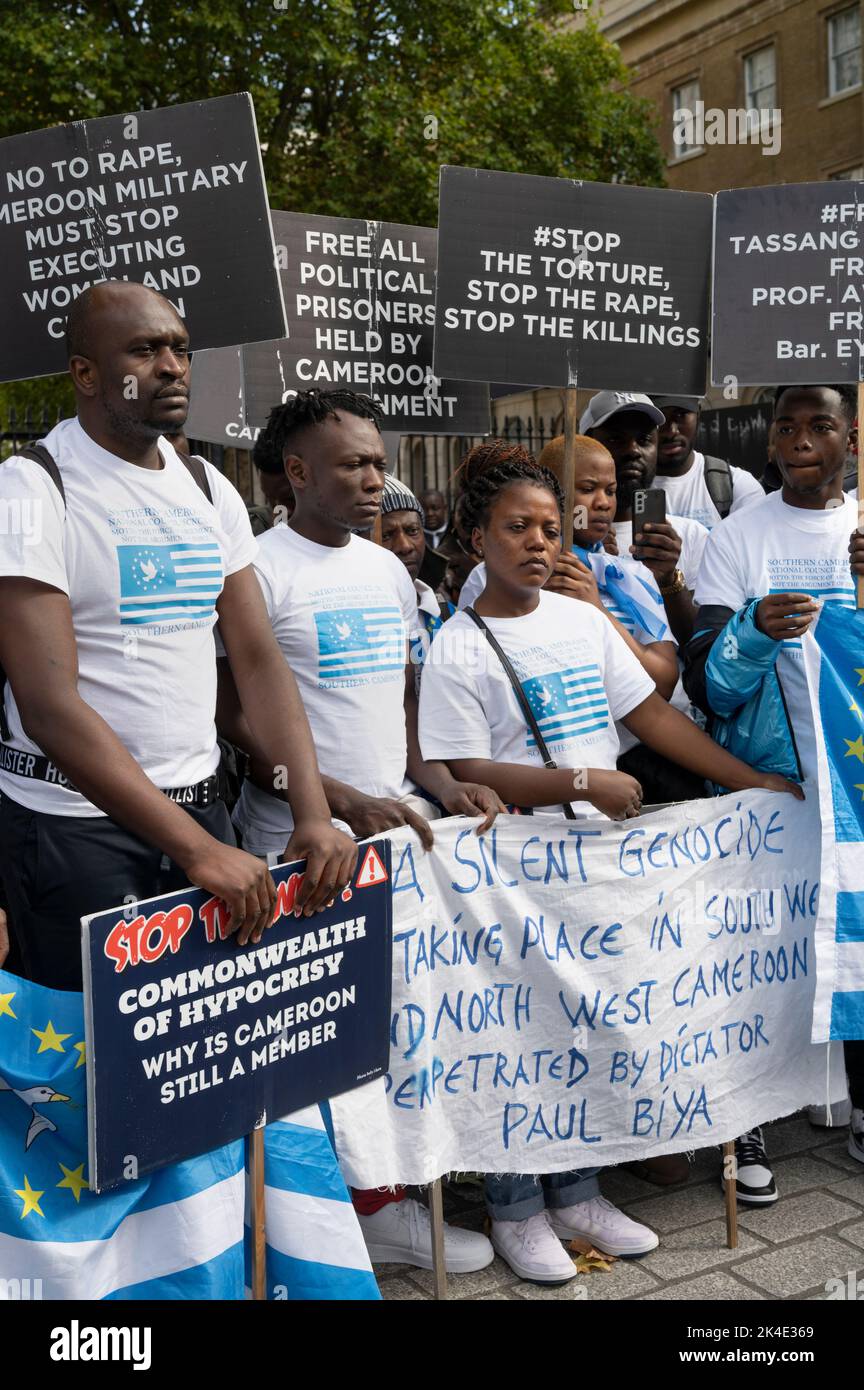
(360, 301)
(561, 283)
(789, 284)
(216, 409)
(173, 198)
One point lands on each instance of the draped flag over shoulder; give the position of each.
(315, 1249)
(177, 1234)
(834, 659)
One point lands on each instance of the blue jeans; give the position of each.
(516, 1196)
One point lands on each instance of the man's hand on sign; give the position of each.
(785, 616)
(573, 579)
(473, 799)
(616, 794)
(330, 856)
(773, 782)
(242, 882)
(659, 548)
(856, 552)
(4, 937)
(370, 815)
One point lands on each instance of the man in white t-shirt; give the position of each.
(109, 754)
(766, 571)
(706, 489)
(342, 610)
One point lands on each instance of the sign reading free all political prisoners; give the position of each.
(571, 994)
(562, 283)
(193, 1041)
(174, 199)
(360, 298)
(789, 264)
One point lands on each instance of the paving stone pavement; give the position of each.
(790, 1251)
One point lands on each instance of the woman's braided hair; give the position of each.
(479, 497)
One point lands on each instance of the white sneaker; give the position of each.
(855, 1146)
(755, 1185)
(401, 1233)
(834, 1116)
(606, 1227)
(532, 1249)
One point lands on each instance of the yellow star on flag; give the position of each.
(859, 671)
(30, 1198)
(81, 1049)
(856, 749)
(854, 709)
(6, 1004)
(859, 787)
(50, 1040)
(74, 1179)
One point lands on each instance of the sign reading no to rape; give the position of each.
(360, 299)
(789, 267)
(174, 199)
(561, 283)
(193, 1041)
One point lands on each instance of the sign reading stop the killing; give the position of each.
(561, 283)
(174, 199)
(360, 299)
(789, 284)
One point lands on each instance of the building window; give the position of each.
(760, 79)
(844, 51)
(856, 173)
(684, 124)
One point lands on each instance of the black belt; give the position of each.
(41, 769)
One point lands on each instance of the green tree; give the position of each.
(358, 102)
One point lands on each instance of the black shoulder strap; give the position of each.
(718, 480)
(196, 467)
(39, 454)
(524, 705)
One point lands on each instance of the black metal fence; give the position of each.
(21, 428)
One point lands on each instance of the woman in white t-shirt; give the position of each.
(579, 677)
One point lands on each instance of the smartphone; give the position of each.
(649, 504)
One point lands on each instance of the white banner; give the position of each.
(577, 993)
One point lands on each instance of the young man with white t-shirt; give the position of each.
(688, 477)
(342, 610)
(109, 754)
(765, 573)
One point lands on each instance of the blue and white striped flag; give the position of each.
(834, 660)
(177, 1234)
(314, 1246)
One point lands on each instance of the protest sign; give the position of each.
(360, 299)
(193, 1041)
(788, 284)
(216, 407)
(561, 283)
(173, 198)
(568, 994)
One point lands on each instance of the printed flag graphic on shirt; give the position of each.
(357, 642)
(834, 660)
(567, 703)
(177, 1234)
(180, 580)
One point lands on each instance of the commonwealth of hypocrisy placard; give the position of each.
(173, 198)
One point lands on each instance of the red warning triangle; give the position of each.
(372, 870)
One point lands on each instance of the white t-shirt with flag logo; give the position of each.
(143, 557)
(342, 616)
(577, 672)
(772, 548)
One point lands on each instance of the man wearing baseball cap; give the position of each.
(697, 485)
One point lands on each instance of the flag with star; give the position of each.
(175, 1234)
(834, 660)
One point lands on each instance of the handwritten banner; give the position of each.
(571, 994)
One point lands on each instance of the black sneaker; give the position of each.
(755, 1181)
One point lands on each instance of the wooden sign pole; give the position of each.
(256, 1214)
(436, 1217)
(568, 482)
(730, 1187)
(860, 584)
